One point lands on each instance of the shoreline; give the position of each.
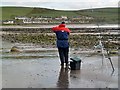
(76, 40)
(28, 48)
(67, 25)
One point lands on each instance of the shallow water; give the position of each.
(43, 70)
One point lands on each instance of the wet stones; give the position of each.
(15, 49)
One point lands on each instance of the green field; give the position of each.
(106, 15)
(109, 15)
(11, 12)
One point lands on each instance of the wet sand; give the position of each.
(46, 72)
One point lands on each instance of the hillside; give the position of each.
(106, 15)
(110, 15)
(11, 12)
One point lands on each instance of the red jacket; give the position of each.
(61, 27)
(62, 35)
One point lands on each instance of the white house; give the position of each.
(64, 17)
(8, 22)
(21, 17)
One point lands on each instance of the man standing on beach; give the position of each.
(62, 34)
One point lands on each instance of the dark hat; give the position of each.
(63, 23)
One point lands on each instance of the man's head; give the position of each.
(63, 23)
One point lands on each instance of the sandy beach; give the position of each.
(43, 70)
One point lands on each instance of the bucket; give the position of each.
(75, 64)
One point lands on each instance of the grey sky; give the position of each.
(62, 4)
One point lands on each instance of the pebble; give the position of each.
(37, 74)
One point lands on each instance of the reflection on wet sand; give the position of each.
(75, 74)
(63, 79)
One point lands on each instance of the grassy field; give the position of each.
(104, 15)
(108, 14)
(11, 12)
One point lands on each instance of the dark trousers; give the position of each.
(63, 54)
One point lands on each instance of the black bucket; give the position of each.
(75, 64)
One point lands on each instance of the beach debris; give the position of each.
(38, 74)
(15, 49)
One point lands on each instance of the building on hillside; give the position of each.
(29, 20)
(89, 18)
(64, 17)
(8, 22)
(58, 18)
(21, 17)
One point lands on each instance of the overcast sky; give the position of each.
(62, 4)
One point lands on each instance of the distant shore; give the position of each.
(68, 25)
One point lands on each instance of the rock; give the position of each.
(15, 49)
(37, 74)
(113, 52)
(91, 80)
(74, 77)
(99, 51)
